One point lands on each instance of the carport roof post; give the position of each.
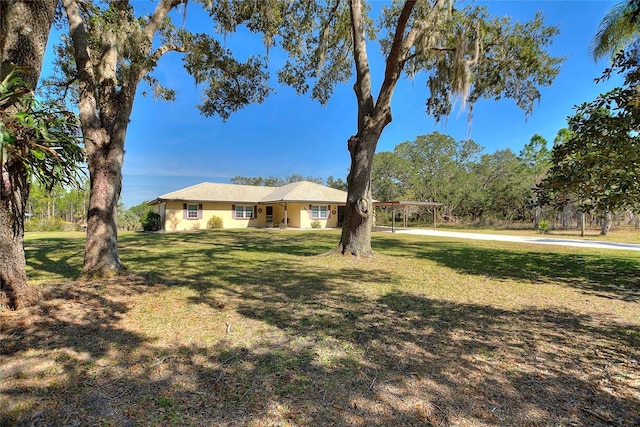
(408, 203)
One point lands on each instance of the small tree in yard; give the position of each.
(465, 53)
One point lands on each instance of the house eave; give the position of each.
(266, 202)
(235, 201)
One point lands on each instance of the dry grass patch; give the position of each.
(251, 328)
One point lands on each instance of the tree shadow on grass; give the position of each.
(332, 353)
(350, 358)
(285, 242)
(67, 262)
(342, 359)
(401, 353)
(54, 258)
(608, 276)
(51, 348)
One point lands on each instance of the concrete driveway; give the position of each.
(542, 240)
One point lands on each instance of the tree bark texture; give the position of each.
(359, 213)
(101, 246)
(14, 193)
(373, 117)
(104, 130)
(105, 110)
(25, 30)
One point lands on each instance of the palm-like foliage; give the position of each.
(43, 139)
(619, 29)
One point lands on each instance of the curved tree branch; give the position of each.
(158, 16)
(399, 53)
(86, 76)
(362, 86)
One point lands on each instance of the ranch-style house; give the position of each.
(297, 205)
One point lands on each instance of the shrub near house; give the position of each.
(215, 222)
(151, 222)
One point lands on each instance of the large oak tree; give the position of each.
(111, 48)
(465, 54)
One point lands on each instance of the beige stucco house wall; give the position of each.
(307, 219)
(242, 206)
(175, 219)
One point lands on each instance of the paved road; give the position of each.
(522, 239)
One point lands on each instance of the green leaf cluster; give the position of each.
(471, 185)
(597, 162)
(618, 30)
(229, 83)
(45, 138)
(465, 53)
(317, 38)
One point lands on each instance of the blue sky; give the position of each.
(170, 145)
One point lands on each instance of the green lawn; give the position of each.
(267, 327)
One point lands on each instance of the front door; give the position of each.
(341, 213)
(269, 213)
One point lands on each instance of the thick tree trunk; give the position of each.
(359, 214)
(356, 231)
(105, 103)
(23, 39)
(372, 118)
(104, 116)
(15, 291)
(105, 170)
(104, 142)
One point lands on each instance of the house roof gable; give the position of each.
(215, 192)
(305, 191)
(302, 191)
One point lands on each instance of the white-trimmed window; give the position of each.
(243, 211)
(192, 211)
(319, 212)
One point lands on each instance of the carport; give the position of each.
(403, 204)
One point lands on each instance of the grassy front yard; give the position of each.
(258, 328)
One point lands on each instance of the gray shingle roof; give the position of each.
(214, 192)
(306, 191)
(303, 191)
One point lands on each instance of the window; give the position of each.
(319, 212)
(244, 211)
(192, 211)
